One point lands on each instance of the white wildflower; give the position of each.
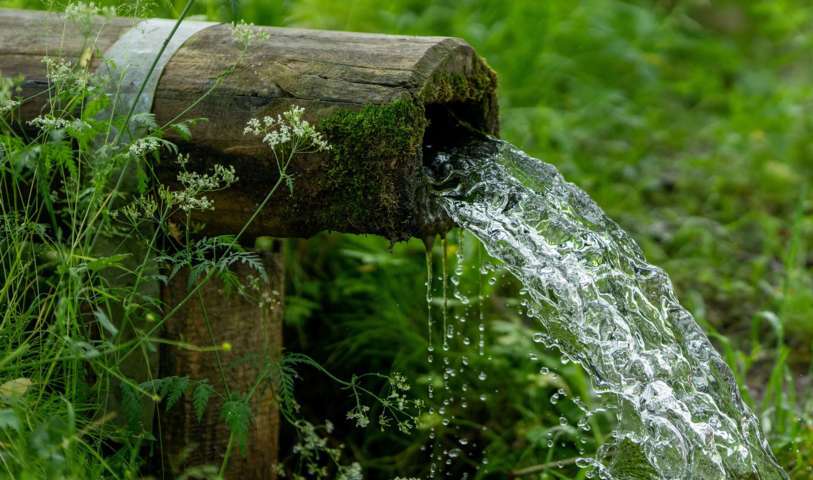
(7, 105)
(359, 414)
(222, 177)
(287, 128)
(143, 208)
(82, 15)
(187, 201)
(143, 146)
(48, 123)
(196, 184)
(350, 472)
(246, 33)
(64, 75)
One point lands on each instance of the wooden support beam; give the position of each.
(250, 324)
(378, 98)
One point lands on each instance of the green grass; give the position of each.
(689, 123)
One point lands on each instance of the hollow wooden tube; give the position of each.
(378, 98)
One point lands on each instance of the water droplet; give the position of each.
(539, 337)
(482, 376)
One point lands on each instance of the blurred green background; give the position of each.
(689, 122)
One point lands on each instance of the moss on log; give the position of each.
(378, 98)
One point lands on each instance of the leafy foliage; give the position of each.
(200, 398)
(236, 412)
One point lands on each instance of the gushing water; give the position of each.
(679, 413)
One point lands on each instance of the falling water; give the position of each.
(679, 412)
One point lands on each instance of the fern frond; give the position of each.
(200, 398)
(236, 413)
(175, 390)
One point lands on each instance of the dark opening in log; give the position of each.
(378, 98)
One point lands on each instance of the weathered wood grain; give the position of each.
(325, 72)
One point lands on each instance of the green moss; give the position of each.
(375, 165)
(446, 86)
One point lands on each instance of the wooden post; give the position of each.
(249, 325)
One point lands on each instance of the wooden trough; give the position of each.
(379, 99)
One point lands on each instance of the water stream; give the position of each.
(679, 412)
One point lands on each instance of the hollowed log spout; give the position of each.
(378, 98)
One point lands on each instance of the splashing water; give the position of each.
(679, 413)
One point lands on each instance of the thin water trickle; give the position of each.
(679, 412)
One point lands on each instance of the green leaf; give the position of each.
(105, 322)
(106, 262)
(200, 398)
(183, 130)
(237, 415)
(175, 390)
(9, 419)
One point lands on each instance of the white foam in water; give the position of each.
(679, 413)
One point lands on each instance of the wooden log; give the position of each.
(378, 98)
(251, 326)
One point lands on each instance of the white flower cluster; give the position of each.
(187, 201)
(64, 75)
(49, 123)
(143, 208)
(359, 414)
(82, 13)
(313, 450)
(350, 472)
(195, 184)
(246, 33)
(222, 177)
(287, 128)
(143, 146)
(7, 103)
